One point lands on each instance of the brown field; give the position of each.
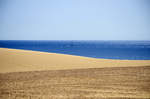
(39, 75)
(102, 83)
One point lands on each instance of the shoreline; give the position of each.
(16, 60)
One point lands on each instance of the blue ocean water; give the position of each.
(130, 50)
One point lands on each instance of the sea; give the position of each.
(123, 50)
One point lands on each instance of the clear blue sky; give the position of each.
(74, 19)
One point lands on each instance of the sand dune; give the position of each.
(13, 60)
(40, 75)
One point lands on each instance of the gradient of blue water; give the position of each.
(131, 50)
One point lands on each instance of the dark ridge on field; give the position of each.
(97, 83)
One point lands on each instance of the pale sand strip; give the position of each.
(12, 60)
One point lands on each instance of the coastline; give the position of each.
(14, 60)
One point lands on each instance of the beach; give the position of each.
(28, 74)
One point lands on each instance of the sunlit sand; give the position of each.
(13, 60)
(40, 75)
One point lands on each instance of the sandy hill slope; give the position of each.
(40, 75)
(13, 60)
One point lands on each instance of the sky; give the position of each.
(74, 19)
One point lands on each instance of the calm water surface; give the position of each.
(131, 50)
